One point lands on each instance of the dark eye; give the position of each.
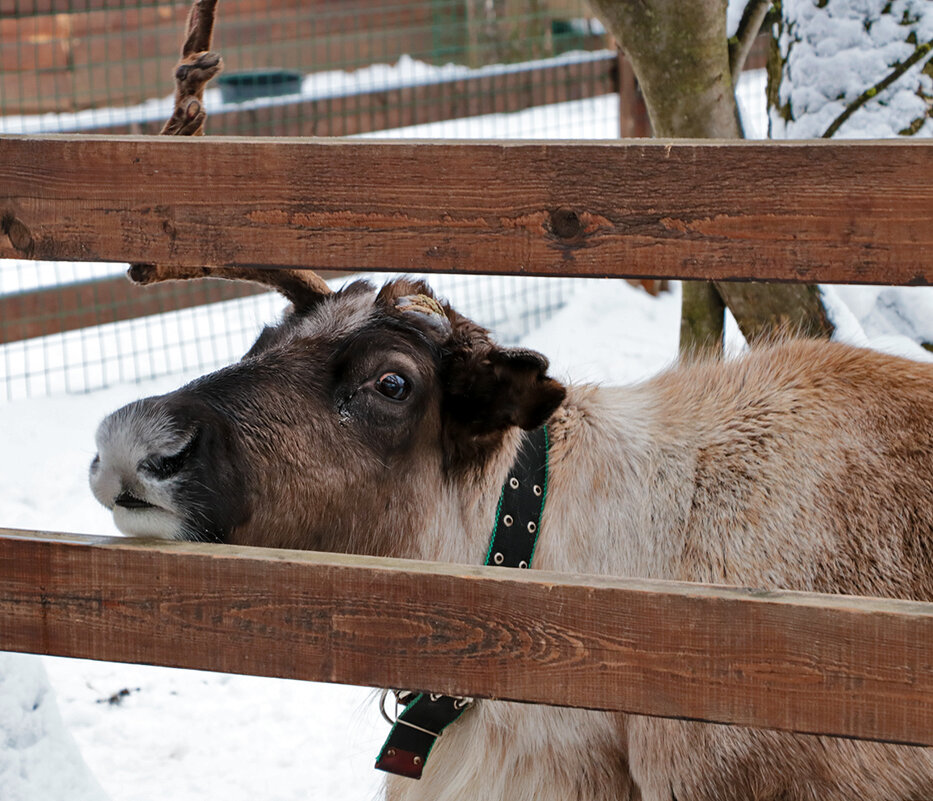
(393, 386)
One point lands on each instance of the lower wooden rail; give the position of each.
(814, 663)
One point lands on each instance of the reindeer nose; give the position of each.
(141, 449)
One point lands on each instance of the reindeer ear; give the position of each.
(491, 389)
(304, 288)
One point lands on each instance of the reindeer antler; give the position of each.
(197, 66)
(302, 287)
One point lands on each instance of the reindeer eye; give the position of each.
(393, 386)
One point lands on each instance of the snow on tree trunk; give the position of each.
(832, 55)
(39, 760)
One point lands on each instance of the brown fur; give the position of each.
(803, 465)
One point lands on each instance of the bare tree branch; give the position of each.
(740, 45)
(899, 69)
(196, 67)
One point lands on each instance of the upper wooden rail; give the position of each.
(796, 211)
(813, 663)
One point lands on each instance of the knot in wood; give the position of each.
(19, 234)
(566, 223)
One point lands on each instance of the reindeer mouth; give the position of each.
(128, 501)
(135, 517)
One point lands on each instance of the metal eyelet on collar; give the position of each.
(532, 527)
(507, 520)
(513, 482)
(537, 490)
(498, 558)
(523, 565)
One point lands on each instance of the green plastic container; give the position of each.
(236, 87)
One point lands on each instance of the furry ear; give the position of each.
(492, 389)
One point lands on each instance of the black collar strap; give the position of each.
(512, 544)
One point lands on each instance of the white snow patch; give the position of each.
(837, 52)
(39, 760)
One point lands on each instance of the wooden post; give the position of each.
(633, 114)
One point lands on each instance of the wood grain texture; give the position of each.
(812, 663)
(810, 211)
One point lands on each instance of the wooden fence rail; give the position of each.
(814, 663)
(805, 211)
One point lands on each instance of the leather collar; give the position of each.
(512, 544)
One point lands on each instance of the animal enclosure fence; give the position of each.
(66, 56)
(814, 212)
(101, 66)
(315, 68)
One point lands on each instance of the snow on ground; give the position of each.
(39, 760)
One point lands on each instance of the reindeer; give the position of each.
(383, 422)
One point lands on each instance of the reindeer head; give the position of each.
(339, 429)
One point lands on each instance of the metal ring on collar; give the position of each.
(382, 707)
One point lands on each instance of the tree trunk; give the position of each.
(680, 53)
(681, 56)
(701, 319)
(764, 311)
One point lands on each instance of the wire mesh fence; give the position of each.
(437, 69)
(291, 68)
(195, 333)
(302, 68)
